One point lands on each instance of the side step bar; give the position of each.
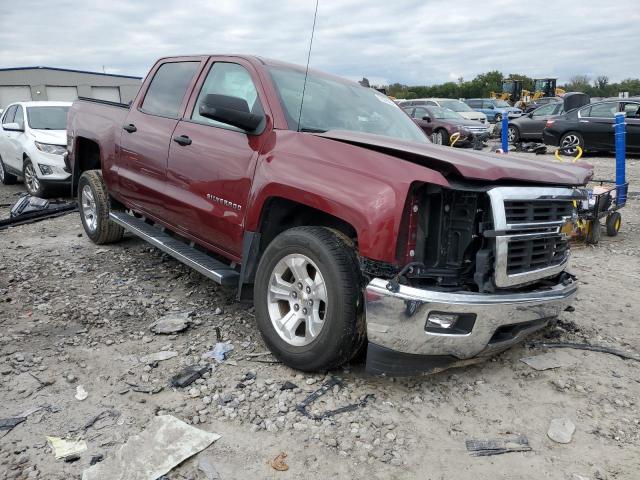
(203, 263)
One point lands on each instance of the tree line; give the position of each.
(485, 83)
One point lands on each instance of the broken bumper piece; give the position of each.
(413, 331)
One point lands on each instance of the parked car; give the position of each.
(591, 127)
(529, 126)
(451, 103)
(344, 223)
(440, 123)
(530, 107)
(494, 109)
(33, 140)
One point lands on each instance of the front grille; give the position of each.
(527, 255)
(529, 211)
(477, 129)
(529, 244)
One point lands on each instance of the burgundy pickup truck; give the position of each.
(331, 209)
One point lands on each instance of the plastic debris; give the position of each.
(592, 348)
(547, 361)
(324, 388)
(206, 466)
(163, 445)
(64, 449)
(561, 430)
(288, 386)
(7, 424)
(278, 462)
(81, 393)
(187, 376)
(158, 356)
(219, 352)
(484, 448)
(169, 324)
(29, 209)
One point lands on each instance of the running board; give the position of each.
(200, 261)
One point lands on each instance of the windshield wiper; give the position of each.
(312, 130)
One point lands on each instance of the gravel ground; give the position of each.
(73, 313)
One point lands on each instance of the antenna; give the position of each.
(306, 72)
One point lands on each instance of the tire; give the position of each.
(6, 178)
(498, 118)
(93, 203)
(34, 185)
(341, 333)
(513, 134)
(614, 221)
(569, 139)
(440, 137)
(593, 235)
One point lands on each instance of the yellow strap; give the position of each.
(454, 138)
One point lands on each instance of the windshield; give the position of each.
(455, 105)
(332, 104)
(501, 103)
(444, 113)
(47, 118)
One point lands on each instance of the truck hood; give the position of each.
(55, 137)
(469, 164)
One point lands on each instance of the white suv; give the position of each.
(33, 140)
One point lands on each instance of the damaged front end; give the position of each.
(484, 268)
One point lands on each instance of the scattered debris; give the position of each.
(206, 466)
(96, 459)
(484, 448)
(91, 422)
(7, 424)
(64, 449)
(561, 430)
(547, 361)
(187, 376)
(593, 348)
(29, 209)
(158, 356)
(288, 386)
(219, 352)
(172, 323)
(81, 393)
(278, 462)
(324, 388)
(164, 444)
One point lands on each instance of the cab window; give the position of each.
(232, 80)
(168, 88)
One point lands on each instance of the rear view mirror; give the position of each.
(231, 110)
(427, 118)
(13, 127)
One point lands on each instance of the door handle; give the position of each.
(130, 128)
(182, 140)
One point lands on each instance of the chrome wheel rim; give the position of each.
(437, 138)
(570, 142)
(31, 179)
(89, 211)
(511, 134)
(297, 300)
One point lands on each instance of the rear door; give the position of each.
(632, 109)
(209, 179)
(532, 124)
(147, 133)
(596, 125)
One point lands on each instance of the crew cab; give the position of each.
(321, 201)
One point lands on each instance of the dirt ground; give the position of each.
(73, 313)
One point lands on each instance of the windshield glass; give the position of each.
(501, 103)
(47, 118)
(444, 113)
(455, 105)
(332, 104)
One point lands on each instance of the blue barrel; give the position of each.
(620, 127)
(505, 133)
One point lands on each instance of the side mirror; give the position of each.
(491, 107)
(231, 110)
(427, 118)
(13, 127)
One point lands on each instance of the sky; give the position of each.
(414, 42)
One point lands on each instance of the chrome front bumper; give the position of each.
(396, 321)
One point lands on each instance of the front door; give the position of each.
(209, 179)
(146, 135)
(632, 109)
(426, 125)
(532, 124)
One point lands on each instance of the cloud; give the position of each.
(407, 41)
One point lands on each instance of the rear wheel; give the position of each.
(513, 134)
(93, 202)
(307, 296)
(440, 137)
(5, 177)
(570, 141)
(614, 221)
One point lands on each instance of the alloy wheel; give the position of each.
(89, 211)
(437, 138)
(511, 134)
(31, 179)
(570, 143)
(297, 299)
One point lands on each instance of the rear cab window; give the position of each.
(168, 88)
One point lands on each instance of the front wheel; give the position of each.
(307, 297)
(93, 202)
(31, 181)
(440, 137)
(513, 134)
